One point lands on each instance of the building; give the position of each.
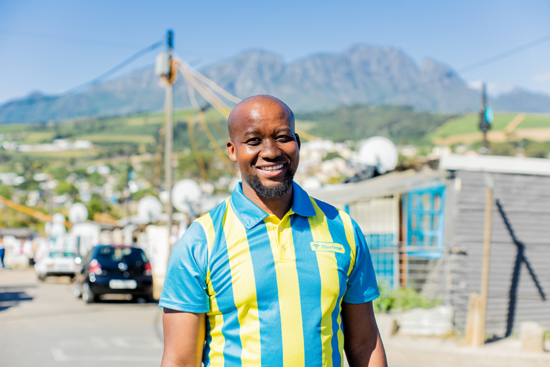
(425, 230)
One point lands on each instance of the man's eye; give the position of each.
(284, 138)
(253, 141)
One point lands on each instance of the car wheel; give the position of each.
(41, 277)
(87, 295)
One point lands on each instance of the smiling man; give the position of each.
(270, 277)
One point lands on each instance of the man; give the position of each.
(270, 277)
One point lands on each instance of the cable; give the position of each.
(68, 39)
(211, 83)
(221, 107)
(505, 54)
(191, 133)
(94, 81)
(207, 131)
(473, 66)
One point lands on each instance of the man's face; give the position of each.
(265, 147)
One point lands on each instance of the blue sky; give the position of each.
(34, 56)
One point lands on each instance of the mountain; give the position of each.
(360, 75)
(523, 101)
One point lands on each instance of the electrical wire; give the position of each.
(198, 110)
(505, 54)
(191, 133)
(211, 83)
(68, 39)
(92, 82)
(221, 107)
(465, 69)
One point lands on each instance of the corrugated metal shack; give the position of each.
(519, 276)
(425, 231)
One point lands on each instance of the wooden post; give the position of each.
(486, 257)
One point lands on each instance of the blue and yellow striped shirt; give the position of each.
(271, 289)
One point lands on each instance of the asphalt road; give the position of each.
(43, 324)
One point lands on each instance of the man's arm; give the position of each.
(362, 345)
(183, 338)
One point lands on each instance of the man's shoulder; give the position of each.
(333, 213)
(213, 215)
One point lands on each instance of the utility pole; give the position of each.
(489, 183)
(485, 118)
(169, 136)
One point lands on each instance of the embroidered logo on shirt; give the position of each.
(327, 246)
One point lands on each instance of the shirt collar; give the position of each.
(250, 214)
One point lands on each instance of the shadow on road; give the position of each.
(11, 296)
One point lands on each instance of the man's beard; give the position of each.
(272, 192)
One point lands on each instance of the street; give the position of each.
(43, 324)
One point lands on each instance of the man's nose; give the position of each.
(270, 150)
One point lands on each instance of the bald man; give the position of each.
(270, 277)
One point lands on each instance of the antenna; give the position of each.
(78, 213)
(185, 193)
(378, 152)
(149, 209)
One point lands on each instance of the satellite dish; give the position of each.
(185, 193)
(149, 209)
(378, 152)
(58, 218)
(78, 213)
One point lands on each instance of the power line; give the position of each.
(468, 68)
(94, 81)
(68, 39)
(505, 54)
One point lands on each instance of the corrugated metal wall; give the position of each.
(525, 200)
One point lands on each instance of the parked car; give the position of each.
(110, 269)
(56, 263)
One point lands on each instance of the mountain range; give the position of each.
(360, 75)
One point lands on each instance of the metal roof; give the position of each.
(388, 184)
(496, 164)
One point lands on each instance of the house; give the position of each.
(425, 231)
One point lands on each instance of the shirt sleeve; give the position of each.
(362, 285)
(184, 286)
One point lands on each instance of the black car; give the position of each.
(110, 269)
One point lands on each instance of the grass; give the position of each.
(468, 124)
(119, 138)
(534, 121)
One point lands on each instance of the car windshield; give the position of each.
(58, 254)
(128, 255)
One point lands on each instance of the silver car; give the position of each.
(56, 263)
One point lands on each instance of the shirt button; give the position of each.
(280, 229)
(284, 248)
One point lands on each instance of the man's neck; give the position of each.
(278, 207)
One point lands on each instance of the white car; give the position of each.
(56, 263)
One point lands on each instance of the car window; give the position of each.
(58, 254)
(128, 255)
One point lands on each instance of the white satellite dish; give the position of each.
(58, 218)
(149, 209)
(185, 193)
(378, 152)
(78, 213)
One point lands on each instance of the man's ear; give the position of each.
(230, 146)
(298, 140)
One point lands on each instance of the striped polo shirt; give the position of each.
(272, 289)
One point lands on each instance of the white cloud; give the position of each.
(493, 89)
(541, 78)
